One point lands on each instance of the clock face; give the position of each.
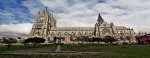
(105, 30)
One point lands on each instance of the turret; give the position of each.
(139, 33)
(45, 11)
(111, 24)
(95, 29)
(96, 25)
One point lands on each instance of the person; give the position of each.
(9, 45)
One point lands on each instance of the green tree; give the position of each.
(35, 40)
(9, 41)
(82, 38)
(109, 39)
(79, 38)
(97, 40)
(87, 39)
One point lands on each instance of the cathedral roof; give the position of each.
(73, 28)
(100, 19)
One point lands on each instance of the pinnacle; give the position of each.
(39, 12)
(100, 19)
(45, 10)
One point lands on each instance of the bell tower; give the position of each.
(43, 23)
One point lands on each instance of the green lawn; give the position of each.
(110, 51)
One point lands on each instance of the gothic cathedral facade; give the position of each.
(44, 26)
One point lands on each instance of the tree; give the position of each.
(85, 38)
(128, 38)
(106, 40)
(9, 41)
(22, 41)
(81, 38)
(97, 40)
(90, 40)
(109, 39)
(35, 40)
(72, 38)
(19, 39)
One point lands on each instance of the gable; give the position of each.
(105, 24)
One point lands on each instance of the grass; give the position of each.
(110, 51)
(30, 47)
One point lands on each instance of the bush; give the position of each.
(109, 39)
(34, 40)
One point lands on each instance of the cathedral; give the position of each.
(44, 26)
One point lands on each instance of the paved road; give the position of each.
(40, 52)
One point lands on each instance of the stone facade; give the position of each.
(45, 26)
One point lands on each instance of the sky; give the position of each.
(17, 16)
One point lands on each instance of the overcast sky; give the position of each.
(17, 16)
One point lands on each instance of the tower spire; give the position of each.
(39, 12)
(100, 19)
(45, 10)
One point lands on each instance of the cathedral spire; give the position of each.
(96, 24)
(100, 19)
(39, 12)
(45, 10)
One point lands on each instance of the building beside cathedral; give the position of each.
(45, 26)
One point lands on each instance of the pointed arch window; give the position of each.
(65, 33)
(79, 33)
(59, 33)
(41, 20)
(86, 33)
(72, 33)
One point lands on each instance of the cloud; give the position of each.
(77, 13)
(23, 28)
(14, 35)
